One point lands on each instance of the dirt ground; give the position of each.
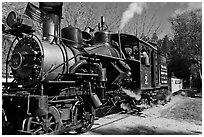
(181, 116)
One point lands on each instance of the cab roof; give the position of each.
(127, 39)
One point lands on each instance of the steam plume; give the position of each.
(131, 10)
(130, 93)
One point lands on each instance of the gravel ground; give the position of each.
(189, 109)
(181, 116)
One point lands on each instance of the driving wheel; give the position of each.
(43, 124)
(85, 114)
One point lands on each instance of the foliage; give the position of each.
(187, 41)
(145, 26)
(78, 14)
(184, 51)
(83, 14)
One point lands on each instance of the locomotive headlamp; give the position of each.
(13, 19)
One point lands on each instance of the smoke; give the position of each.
(132, 94)
(131, 10)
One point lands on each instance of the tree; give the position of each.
(146, 25)
(165, 45)
(187, 41)
(154, 37)
(79, 14)
(83, 14)
(112, 15)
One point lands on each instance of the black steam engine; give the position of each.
(62, 77)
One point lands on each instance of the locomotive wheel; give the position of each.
(85, 113)
(43, 124)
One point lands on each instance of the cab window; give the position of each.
(145, 60)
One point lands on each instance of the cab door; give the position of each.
(145, 77)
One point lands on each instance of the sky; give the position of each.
(168, 9)
(162, 10)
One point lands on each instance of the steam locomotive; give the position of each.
(64, 76)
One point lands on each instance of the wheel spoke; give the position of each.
(51, 129)
(50, 118)
(52, 123)
(37, 123)
(37, 130)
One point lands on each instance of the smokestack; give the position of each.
(131, 10)
(51, 23)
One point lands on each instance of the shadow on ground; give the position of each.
(140, 130)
